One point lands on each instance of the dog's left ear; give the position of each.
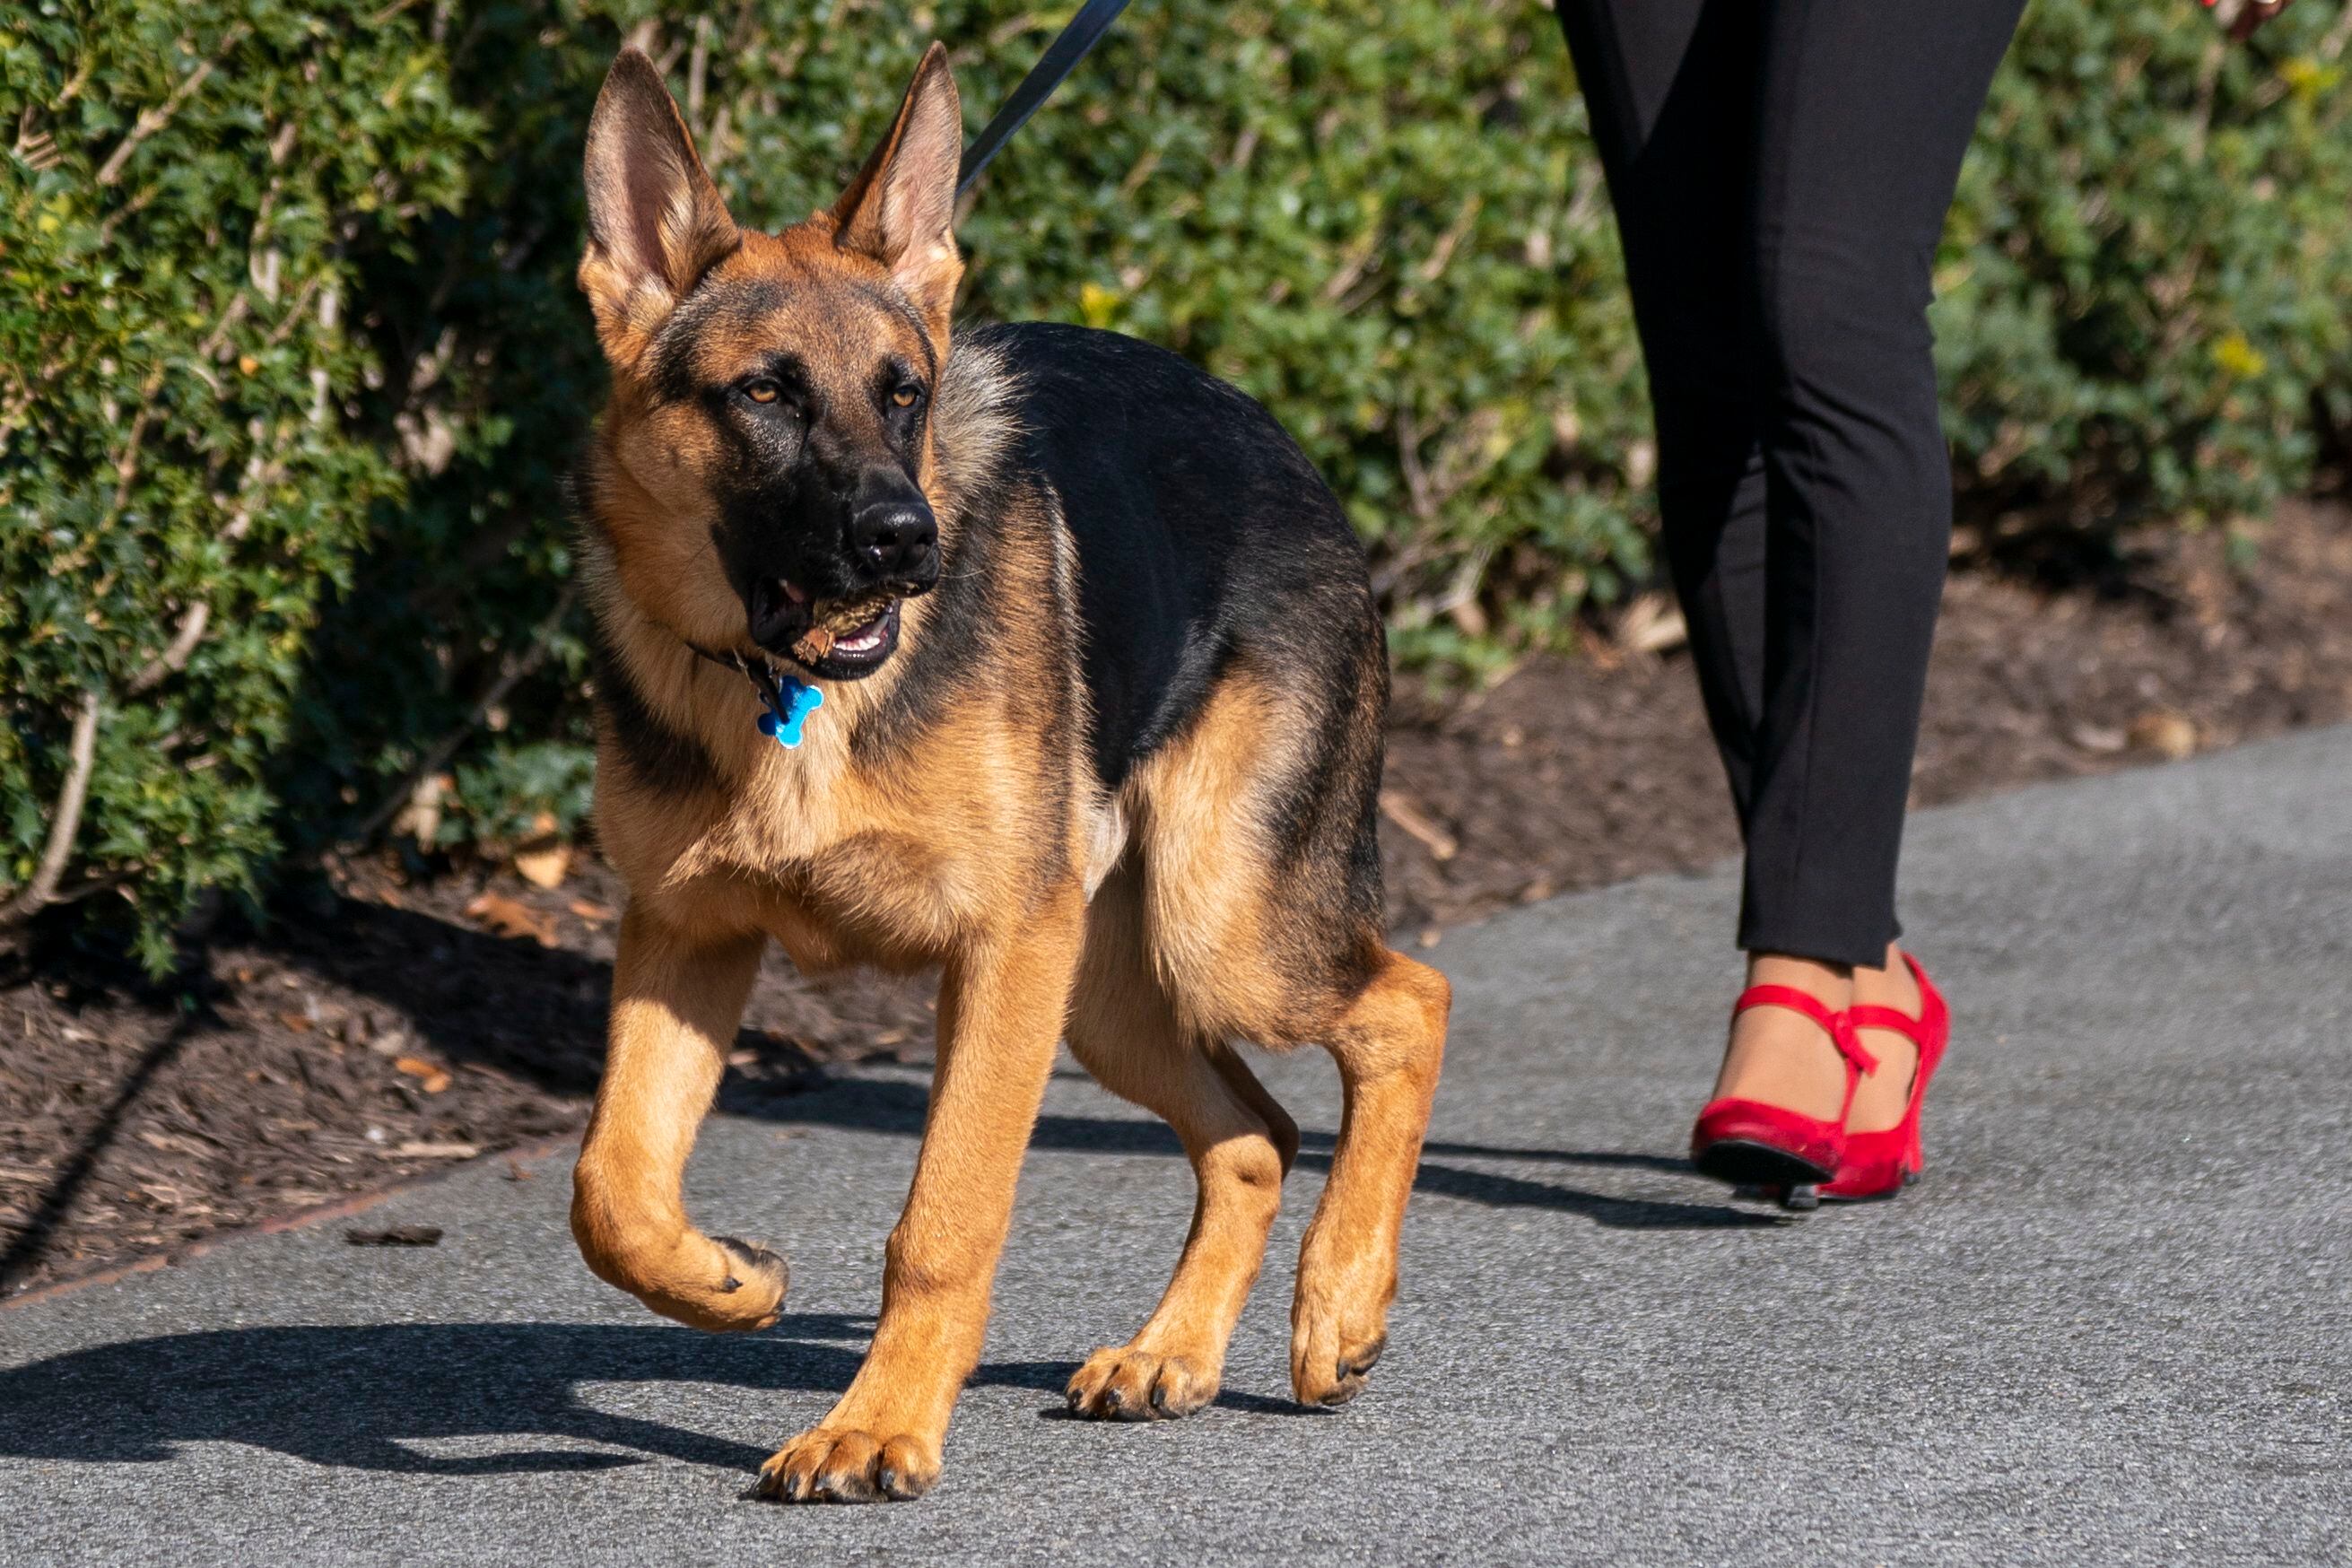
(900, 209)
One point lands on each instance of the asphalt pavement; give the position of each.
(2113, 1325)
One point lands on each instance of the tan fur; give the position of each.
(1185, 951)
(971, 843)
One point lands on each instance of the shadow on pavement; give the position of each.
(1601, 1209)
(358, 1398)
(20, 1257)
(897, 1105)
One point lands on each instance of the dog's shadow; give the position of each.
(898, 1104)
(363, 1397)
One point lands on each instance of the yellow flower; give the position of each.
(2237, 357)
(1098, 304)
(2308, 78)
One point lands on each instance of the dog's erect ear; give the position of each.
(900, 210)
(656, 222)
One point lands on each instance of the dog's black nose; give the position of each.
(897, 541)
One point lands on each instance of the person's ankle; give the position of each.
(1882, 1098)
(1780, 1056)
(1889, 983)
(1831, 984)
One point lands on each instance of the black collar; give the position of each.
(762, 677)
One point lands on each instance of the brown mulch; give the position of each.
(1575, 774)
(386, 1034)
(396, 1027)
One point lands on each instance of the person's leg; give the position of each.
(1710, 144)
(1864, 111)
(1670, 90)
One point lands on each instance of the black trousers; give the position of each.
(1780, 171)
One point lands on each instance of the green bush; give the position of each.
(2143, 285)
(183, 474)
(1393, 231)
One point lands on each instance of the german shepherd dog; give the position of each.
(1102, 687)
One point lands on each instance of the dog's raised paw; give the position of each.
(834, 1464)
(1119, 1382)
(757, 1267)
(753, 1287)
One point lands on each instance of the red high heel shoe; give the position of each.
(1751, 1144)
(1881, 1164)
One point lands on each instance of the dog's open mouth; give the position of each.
(850, 640)
(843, 639)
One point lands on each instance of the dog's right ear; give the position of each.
(656, 222)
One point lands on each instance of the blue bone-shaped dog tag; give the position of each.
(799, 700)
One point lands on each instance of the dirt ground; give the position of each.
(1572, 774)
(399, 1025)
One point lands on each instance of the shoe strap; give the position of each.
(1838, 1025)
(1870, 1015)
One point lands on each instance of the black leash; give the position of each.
(1061, 57)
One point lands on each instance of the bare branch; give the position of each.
(94, 886)
(512, 671)
(129, 209)
(2209, 82)
(174, 658)
(231, 314)
(2337, 36)
(1353, 265)
(1405, 812)
(65, 822)
(126, 466)
(155, 119)
(258, 475)
(698, 70)
(1451, 240)
(1416, 477)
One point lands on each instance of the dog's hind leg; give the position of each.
(1252, 830)
(1389, 1042)
(1238, 1138)
(677, 999)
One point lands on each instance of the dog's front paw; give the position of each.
(716, 1283)
(1338, 1325)
(1123, 1384)
(754, 1285)
(834, 1464)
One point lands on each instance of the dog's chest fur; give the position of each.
(889, 858)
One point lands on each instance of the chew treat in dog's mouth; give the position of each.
(847, 627)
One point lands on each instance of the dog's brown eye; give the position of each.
(763, 392)
(905, 396)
